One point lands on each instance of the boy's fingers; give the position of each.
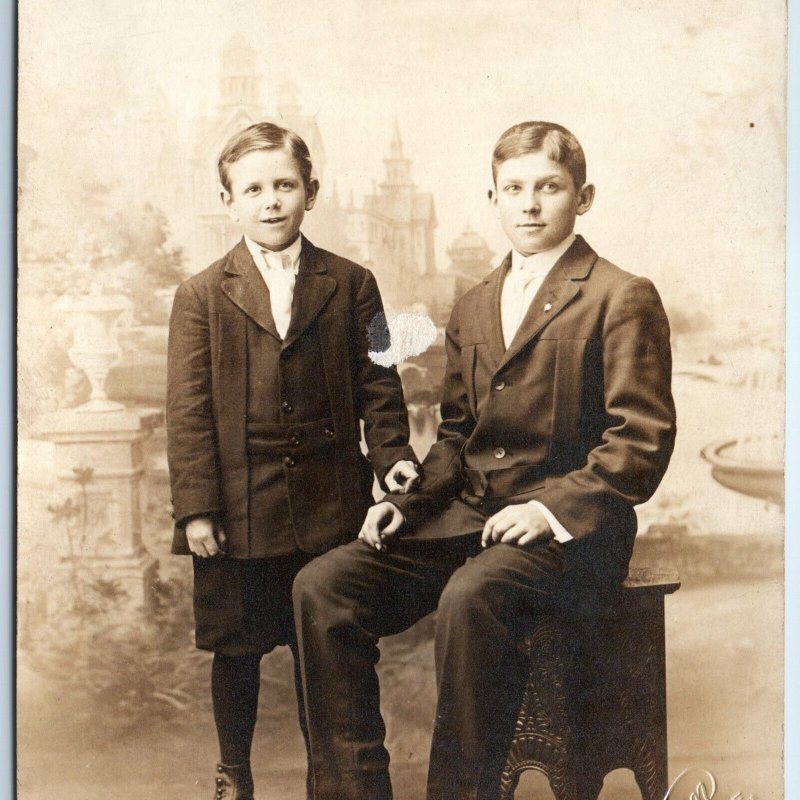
(211, 546)
(486, 536)
(528, 538)
(499, 527)
(513, 534)
(410, 475)
(198, 548)
(395, 521)
(401, 478)
(369, 530)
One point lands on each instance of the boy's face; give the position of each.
(536, 201)
(268, 198)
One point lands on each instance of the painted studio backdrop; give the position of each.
(123, 110)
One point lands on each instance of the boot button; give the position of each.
(289, 461)
(219, 769)
(329, 433)
(294, 438)
(287, 407)
(499, 386)
(499, 452)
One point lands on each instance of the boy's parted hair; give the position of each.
(556, 141)
(264, 136)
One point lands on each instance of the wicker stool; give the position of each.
(596, 695)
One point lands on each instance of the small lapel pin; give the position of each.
(548, 306)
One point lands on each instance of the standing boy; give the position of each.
(557, 418)
(268, 379)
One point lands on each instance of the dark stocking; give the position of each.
(234, 691)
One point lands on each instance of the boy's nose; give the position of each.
(271, 201)
(532, 202)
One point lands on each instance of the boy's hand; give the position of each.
(201, 537)
(518, 524)
(383, 521)
(402, 477)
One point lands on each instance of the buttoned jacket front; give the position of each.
(329, 481)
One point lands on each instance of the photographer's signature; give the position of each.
(701, 785)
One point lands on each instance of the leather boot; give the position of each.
(234, 783)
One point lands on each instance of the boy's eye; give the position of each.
(252, 189)
(550, 187)
(513, 188)
(286, 185)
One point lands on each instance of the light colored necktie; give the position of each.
(281, 290)
(518, 281)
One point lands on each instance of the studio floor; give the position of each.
(725, 704)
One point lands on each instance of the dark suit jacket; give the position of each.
(577, 412)
(207, 398)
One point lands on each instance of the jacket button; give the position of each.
(287, 407)
(329, 433)
(289, 461)
(499, 452)
(500, 385)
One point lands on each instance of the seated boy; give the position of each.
(268, 380)
(557, 418)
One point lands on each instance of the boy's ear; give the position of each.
(585, 198)
(312, 190)
(492, 195)
(227, 201)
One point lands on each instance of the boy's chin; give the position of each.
(275, 240)
(529, 245)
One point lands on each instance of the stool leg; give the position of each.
(650, 759)
(651, 774)
(508, 783)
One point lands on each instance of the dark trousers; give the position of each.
(350, 597)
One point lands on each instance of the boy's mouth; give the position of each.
(531, 225)
(274, 220)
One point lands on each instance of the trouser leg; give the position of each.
(301, 716)
(234, 694)
(480, 671)
(344, 601)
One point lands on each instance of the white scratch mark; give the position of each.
(410, 335)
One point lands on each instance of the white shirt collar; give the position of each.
(541, 263)
(274, 257)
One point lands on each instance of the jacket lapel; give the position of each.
(558, 289)
(246, 289)
(312, 291)
(491, 323)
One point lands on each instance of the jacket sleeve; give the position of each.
(192, 450)
(627, 466)
(442, 478)
(378, 390)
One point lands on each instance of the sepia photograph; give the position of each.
(400, 400)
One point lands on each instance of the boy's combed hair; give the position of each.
(556, 141)
(264, 136)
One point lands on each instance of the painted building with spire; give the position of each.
(393, 231)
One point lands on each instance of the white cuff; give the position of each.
(560, 532)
